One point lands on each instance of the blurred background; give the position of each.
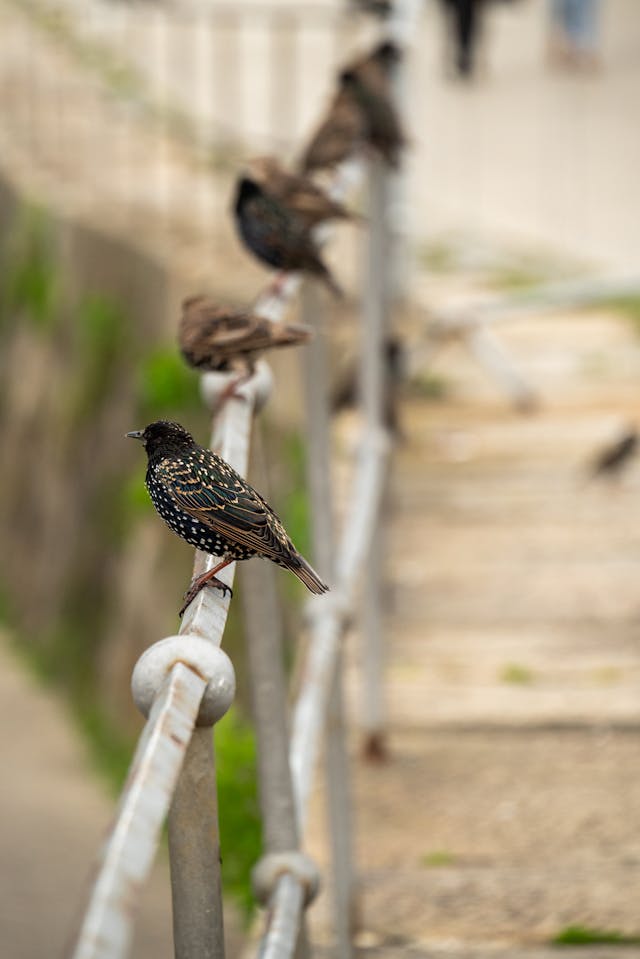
(508, 815)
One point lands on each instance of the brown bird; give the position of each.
(276, 235)
(611, 460)
(377, 67)
(298, 193)
(383, 130)
(362, 111)
(339, 136)
(214, 337)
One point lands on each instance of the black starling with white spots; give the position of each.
(214, 337)
(202, 499)
(297, 192)
(277, 235)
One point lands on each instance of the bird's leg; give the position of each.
(207, 579)
(275, 288)
(230, 389)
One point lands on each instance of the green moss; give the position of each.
(31, 287)
(627, 306)
(166, 385)
(586, 936)
(516, 674)
(101, 331)
(428, 386)
(437, 257)
(239, 812)
(437, 858)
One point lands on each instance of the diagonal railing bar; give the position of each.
(173, 691)
(186, 681)
(328, 617)
(585, 291)
(106, 930)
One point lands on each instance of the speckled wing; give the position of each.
(211, 335)
(207, 488)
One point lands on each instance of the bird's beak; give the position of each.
(135, 434)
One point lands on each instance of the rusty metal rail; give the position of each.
(185, 683)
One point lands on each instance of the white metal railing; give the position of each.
(475, 324)
(185, 683)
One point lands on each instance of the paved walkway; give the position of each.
(510, 806)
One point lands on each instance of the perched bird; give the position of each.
(339, 136)
(381, 122)
(377, 8)
(376, 67)
(213, 337)
(361, 112)
(202, 499)
(298, 193)
(276, 235)
(611, 460)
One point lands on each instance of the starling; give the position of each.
(615, 456)
(382, 125)
(362, 112)
(298, 193)
(276, 235)
(376, 68)
(213, 337)
(202, 499)
(339, 136)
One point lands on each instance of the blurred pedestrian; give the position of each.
(464, 31)
(574, 32)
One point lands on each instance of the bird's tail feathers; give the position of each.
(325, 274)
(288, 334)
(307, 575)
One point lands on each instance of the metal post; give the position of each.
(319, 480)
(194, 851)
(265, 656)
(375, 308)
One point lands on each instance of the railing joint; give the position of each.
(202, 657)
(269, 870)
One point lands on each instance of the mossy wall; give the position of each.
(91, 577)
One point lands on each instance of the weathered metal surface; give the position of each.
(316, 381)
(376, 309)
(107, 926)
(283, 920)
(129, 851)
(194, 843)
(194, 852)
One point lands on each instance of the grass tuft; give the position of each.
(586, 936)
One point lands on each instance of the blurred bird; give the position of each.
(202, 499)
(381, 122)
(614, 457)
(377, 8)
(213, 337)
(376, 68)
(362, 112)
(276, 235)
(298, 193)
(339, 136)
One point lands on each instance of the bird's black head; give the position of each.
(246, 190)
(388, 53)
(163, 437)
